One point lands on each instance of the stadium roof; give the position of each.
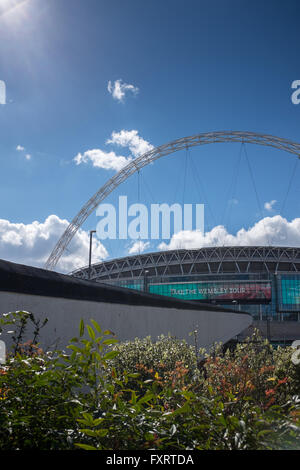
(212, 260)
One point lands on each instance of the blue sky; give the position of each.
(198, 66)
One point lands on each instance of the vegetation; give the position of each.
(102, 394)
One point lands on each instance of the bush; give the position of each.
(145, 395)
(167, 360)
(42, 394)
(254, 370)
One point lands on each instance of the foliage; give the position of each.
(43, 393)
(19, 321)
(167, 360)
(146, 395)
(252, 370)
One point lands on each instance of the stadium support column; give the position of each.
(277, 310)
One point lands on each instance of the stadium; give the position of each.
(263, 281)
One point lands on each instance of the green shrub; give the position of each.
(144, 394)
(42, 394)
(166, 359)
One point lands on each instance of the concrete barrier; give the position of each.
(65, 300)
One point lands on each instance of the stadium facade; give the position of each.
(264, 281)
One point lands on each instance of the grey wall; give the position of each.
(65, 300)
(126, 321)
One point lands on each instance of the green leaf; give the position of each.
(110, 341)
(88, 419)
(96, 326)
(108, 332)
(74, 348)
(111, 355)
(146, 398)
(101, 432)
(91, 332)
(81, 328)
(86, 447)
(133, 397)
(183, 409)
(134, 375)
(95, 433)
(98, 421)
(97, 356)
(223, 420)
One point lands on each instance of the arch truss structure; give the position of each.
(154, 154)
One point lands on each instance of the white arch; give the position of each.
(154, 154)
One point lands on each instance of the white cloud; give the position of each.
(270, 230)
(32, 244)
(269, 205)
(110, 160)
(131, 139)
(138, 247)
(20, 148)
(118, 89)
(102, 159)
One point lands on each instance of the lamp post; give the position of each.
(146, 280)
(90, 252)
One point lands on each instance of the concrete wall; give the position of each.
(129, 314)
(126, 321)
